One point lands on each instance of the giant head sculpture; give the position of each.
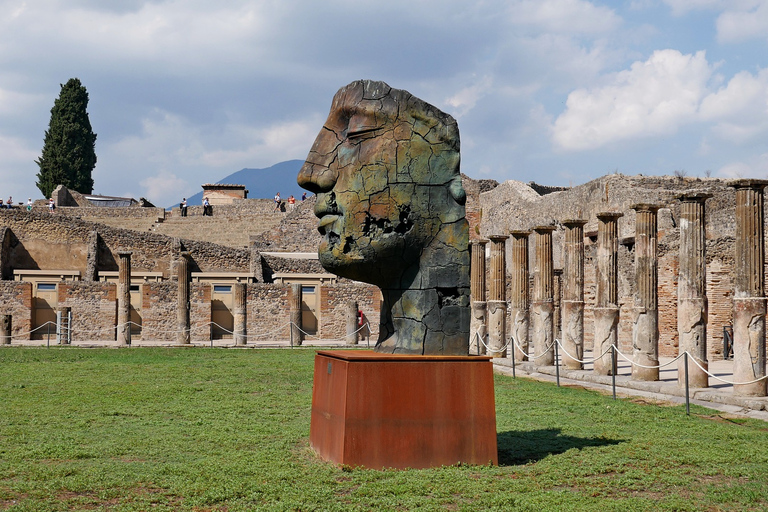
(385, 168)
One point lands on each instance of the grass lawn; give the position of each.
(208, 429)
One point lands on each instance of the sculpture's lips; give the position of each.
(325, 221)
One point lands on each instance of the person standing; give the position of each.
(29, 204)
(304, 196)
(206, 204)
(51, 205)
(183, 207)
(10, 202)
(291, 202)
(277, 203)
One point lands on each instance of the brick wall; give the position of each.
(16, 300)
(94, 309)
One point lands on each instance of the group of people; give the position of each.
(207, 208)
(9, 204)
(291, 202)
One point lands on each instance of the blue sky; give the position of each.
(557, 91)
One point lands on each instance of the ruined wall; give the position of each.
(268, 312)
(94, 309)
(16, 300)
(333, 305)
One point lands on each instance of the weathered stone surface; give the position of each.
(297, 334)
(606, 311)
(542, 305)
(240, 313)
(573, 294)
(645, 331)
(478, 326)
(497, 303)
(385, 168)
(183, 306)
(519, 296)
(692, 290)
(749, 306)
(124, 298)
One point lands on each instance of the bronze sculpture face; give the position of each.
(385, 168)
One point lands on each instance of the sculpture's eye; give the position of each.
(361, 126)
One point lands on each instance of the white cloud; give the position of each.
(161, 188)
(752, 167)
(564, 16)
(743, 24)
(651, 98)
(465, 100)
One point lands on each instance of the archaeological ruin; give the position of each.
(670, 264)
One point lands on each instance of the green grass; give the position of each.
(202, 429)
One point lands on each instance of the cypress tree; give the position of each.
(69, 154)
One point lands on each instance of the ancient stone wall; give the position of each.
(268, 307)
(16, 300)
(333, 306)
(94, 309)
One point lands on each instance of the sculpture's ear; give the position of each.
(457, 190)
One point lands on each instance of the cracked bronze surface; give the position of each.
(385, 168)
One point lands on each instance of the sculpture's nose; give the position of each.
(319, 174)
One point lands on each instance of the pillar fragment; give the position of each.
(542, 305)
(692, 290)
(749, 289)
(240, 313)
(6, 324)
(519, 300)
(573, 294)
(297, 334)
(497, 303)
(352, 323)
(606, 310)
(182, 307)
(124, 298)
(645, 329)
(478, 328)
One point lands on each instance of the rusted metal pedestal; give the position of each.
(402, 411)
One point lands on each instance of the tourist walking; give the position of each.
(277, 203)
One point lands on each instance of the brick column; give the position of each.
(519, 301)
(692, 290)
(573, 293)
(182, 308)
(478, 327)
(645, 329)
(497, 303)
(352, 327)
(542, 305)
(297, 335)
(606, 310)
(63, 313)
(124, 298)
(240, 313)
(749, 289)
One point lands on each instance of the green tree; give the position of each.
(69, 154)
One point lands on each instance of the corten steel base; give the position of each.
(402, 411)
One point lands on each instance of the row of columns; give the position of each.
(183, 327)
(749, 292)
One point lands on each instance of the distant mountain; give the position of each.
(261, 183)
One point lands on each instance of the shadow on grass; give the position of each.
(521, 447)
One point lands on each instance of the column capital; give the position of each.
(498, 238)
(608, 216)
(123, 253)
(544, 229)
(646, 207)
(479, 241)
(573, 223)
(697, 196)
(747, 183)
(520, 233)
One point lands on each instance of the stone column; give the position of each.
(497, 303)
(645, 328)
(542, 305)
(297, 335)
(692, 290)
(606, 310)
(124, 298)
(573, 294)
(352, 327)
(182, 308)
(6, 324)
(478, 328)
(749, 289)
(240, 313)
(519, 301)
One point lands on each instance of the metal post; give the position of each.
(291, 334)
(687, 397)
(58, 327)
(557, 365)
(613, 372)
(48, 330)
(513, 357)
(69, 327)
